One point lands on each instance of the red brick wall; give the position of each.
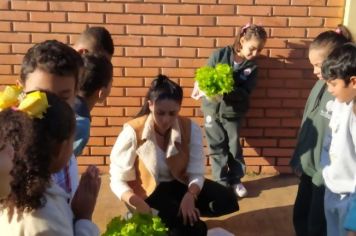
(174, 37)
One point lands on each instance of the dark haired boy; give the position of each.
(339, 172)
(94, 86)
(95, 40)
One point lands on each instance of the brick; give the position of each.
(128, 82)
(40, 37)
(292, 122)
(15, 37)
(199, 1)
(100, 150)
(332, 22)
(271, 21)
(250, 142)
(293, 103)
(272, 2)
(257, 10)
(262, 161)
(303, 21)
(232, 20)
(160, 62)
(117, 92)
(127, 62)
(178, 52)
(180, 30)
(107, 111)
(196, 42)
(104, 131)
(143, 30)
(253, 170)
(250, 132)
(283, 93)
(270, 83)
(300, 85)
(278, 152)
(5, 26)
(287, 53)
(280, 132)
(14, 15)
(285, 73)
(283, 162)
(67, 6)
(141, 72)
(116, 121)
(131, 111)
(142, 8)
(160, 20)
(313, 32)
(308, 2)
(326, 11)
(67, 28)
(190, 102)
(20, 47)
(298, 63)
(48, 16)
(127, 40)
(105, 7)
(8, 79)
(266, 103)
(179, 72)
(288, 32)
(141, 51)
(98, 121)
(216, 31)
(264, 122)
(4, 5)
(281, 113)
(180, 9)
(191, 63)
(186, 82)
(30, 27)
(165, 1)
(29, 5)
(335, 3)
(236, 2)
(273, 170)
(217, 10)
(90, 160)
(85, 17)
(136, 92)
(5, 69)
(123, 19)
(287, 143)
(162, 41)
(290, 11)
(255, 113)
(197, 20)
(96, 141)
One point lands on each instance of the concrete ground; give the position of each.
(266, 211)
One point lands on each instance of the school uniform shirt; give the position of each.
(83, 121)
(125, 151)
(340, 173)
(54, 218)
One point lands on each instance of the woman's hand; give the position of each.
(136, 203)
(189, 213)
(84, 200)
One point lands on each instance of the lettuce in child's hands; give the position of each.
(215, 81)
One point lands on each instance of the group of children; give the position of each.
(39, 185)
(325, 153)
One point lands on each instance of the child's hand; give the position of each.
(84, 200)
(351, 233)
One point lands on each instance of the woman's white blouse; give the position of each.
(124, 153)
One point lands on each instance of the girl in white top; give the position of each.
(43, 144)
(157, 163)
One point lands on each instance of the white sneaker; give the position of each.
(240, 190)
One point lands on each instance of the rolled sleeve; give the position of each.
(122, 159)
(196, 167)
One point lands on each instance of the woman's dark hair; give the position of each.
(340, 64)
(331, 39)
(101, 39)
(248, 31)
(36, 143)
(161, 88)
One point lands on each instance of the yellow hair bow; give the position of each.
(35, 104)
(9, 97)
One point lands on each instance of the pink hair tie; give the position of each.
(338, 31)
(243, 29)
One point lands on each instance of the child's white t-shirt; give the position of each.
(340, 173)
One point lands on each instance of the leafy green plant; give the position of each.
(137, 225)
(216, 80)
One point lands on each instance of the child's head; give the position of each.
(250, 41)
(324, 43)
(163, 101)
(339, 70)
(96, 79)
(95, 40)
(42, 146)
(51, 66)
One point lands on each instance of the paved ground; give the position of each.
(266, 211)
